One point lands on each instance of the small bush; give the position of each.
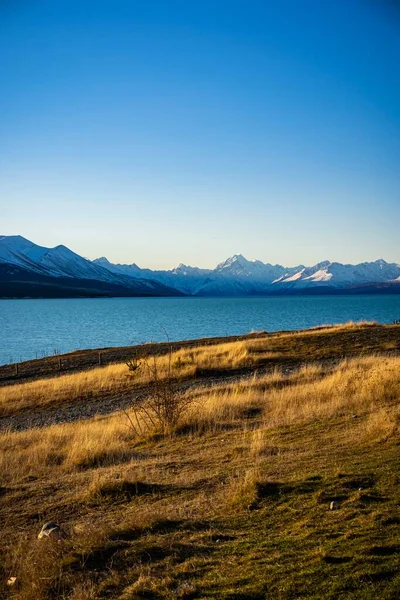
(163, 408)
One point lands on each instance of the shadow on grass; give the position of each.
(117, 555)
(351, 481)
(121, 490)
(383, 550)
(106, 459)
(377, 576)
(276, 490)
(337, 560)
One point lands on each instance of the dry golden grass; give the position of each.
(242, 492)
(353, 388)
(68, 447)
(344, 326)
(382, 425)
(116, 379)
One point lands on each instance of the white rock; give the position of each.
(50, 530)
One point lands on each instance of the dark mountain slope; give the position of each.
(16, 282)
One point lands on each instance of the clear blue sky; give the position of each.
(170, 131)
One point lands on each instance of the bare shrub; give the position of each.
(133, 364)
(165, 404)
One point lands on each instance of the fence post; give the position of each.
(100, 358)
(59, 363)
(16, 369)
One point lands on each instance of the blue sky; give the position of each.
(171, 131)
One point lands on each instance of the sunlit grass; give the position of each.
(354, 388)
(116, 379)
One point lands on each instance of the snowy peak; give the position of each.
(15, 242)
(381, 263)
(322, 265)
(55, 262)
(256, 273)
(18, 251)
(102, 261)
(129, 270)
(237, 261)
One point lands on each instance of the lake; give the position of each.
(36, 328)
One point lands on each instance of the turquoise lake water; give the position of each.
(36, 328)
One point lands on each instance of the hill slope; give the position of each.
(233, 502)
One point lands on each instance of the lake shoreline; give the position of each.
(36, 329)
(93, 357)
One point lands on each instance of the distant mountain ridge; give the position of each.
(28, 269)
(239, 276)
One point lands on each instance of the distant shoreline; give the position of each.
(368, 290)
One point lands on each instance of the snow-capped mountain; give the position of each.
(334, 274)
(238, 266)
(183, 277)
(22, 256)
(55, 262)
(239, 276)
(234, 276)
(128, 270)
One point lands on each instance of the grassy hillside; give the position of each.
(230, 499)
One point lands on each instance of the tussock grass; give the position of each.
(356, 386)
(243, 491)
(68, 447)
(353, 387)
(87, 384)
(383, 424)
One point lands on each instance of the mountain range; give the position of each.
(30, 270)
